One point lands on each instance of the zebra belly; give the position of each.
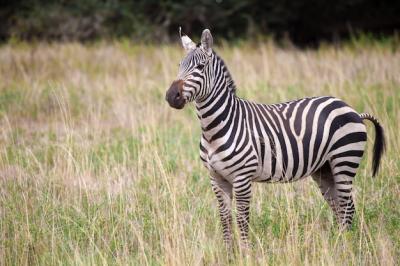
(287, 169)
(277, 179)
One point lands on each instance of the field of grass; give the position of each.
(95, 168)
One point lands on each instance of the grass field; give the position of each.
(95, 168)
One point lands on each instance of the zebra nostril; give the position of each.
(178, 95)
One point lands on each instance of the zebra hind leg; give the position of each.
(336, 187)
(343, 173)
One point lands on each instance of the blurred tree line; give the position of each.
(302, 21)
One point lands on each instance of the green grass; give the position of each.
(95, 168)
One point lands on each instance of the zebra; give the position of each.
(244, 142)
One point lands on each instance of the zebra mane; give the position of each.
(231, 84)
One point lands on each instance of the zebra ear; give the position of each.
(207, 41)
(187, 43)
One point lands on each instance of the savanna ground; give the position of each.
(95, 168)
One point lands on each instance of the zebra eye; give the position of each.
(200, 66)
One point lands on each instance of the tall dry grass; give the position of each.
(95, 168)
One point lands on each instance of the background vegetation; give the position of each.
(302, 21)
(95, 168)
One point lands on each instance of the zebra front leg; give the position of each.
(223, 192)
(242, 191)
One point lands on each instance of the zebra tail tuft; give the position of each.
(380, 143)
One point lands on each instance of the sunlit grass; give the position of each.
(95, 168)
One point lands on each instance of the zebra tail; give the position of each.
(380, 143)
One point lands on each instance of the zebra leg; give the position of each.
(336, 187)
(223, 192)
(324, 179)
(344, 200)
(242, 191)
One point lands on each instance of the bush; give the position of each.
(302, 21)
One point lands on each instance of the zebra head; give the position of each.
(195, 72)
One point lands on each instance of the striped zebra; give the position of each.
(244, 142)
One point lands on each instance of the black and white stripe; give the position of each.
(244, 141)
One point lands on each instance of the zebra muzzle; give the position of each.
(174, 95)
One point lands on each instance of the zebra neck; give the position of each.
(216, 111)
